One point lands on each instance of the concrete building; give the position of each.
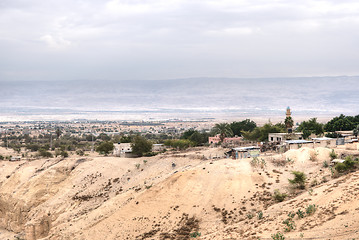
(122, 150)
(282, 137)
(325, 142)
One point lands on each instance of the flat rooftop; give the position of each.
(297, 141)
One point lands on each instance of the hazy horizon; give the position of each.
(220, 98)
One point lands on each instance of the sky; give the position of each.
(165, 39)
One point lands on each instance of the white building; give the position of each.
(281, 137)
(122, 150)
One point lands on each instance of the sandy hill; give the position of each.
(176, 195)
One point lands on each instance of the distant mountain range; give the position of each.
(206, 96)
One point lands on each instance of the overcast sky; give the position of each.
(164, 39)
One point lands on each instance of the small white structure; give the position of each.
(334, 161)
(16, 158)
(158, 147)
(296, 144)
(122, 150)
(324, 142)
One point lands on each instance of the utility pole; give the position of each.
(92, 149)
(7, 140)
(50, 141)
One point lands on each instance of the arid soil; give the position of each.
(196, 194)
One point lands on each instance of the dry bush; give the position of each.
(313, 156)
(280, 162)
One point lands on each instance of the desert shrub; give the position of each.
(138, 165)
(313, 156)
(1, 157)
(250, 215)
(311, 209)
(299, 180)
(290, 225)
(44, 153)
(310, 191)
(278, 236)
(314, 182)
(279, 196)
(263, 163)
(64, 154)
(281, 162)
(347, 165)
(349, 162)
(80, 152)
(195, 234)
(340, 167)
(300, 213)
(333, 155)
(254, 162)
(325, 164)
(291, 215)
(150, 154)
(260, 215)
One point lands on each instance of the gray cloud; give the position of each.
(160, 39)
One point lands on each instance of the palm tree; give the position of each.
(288, 122)
(223, 129)
(356, 131)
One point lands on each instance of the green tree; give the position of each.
(105, 148)
(126, 139)
(188, 133)
(309, 127)
(342, 123)
(104, 137)
(261, 133)
(223, 129)
(58, 133)
(179, 143)
(140, 146)
(198, 138)
(245, 125)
